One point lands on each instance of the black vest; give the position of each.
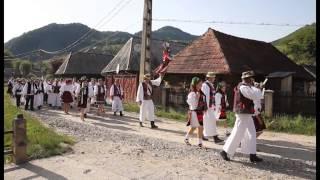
(242, 105)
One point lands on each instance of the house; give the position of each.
(83, 63)
(127, 63)
(228, 56)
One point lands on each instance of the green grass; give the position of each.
(42, 141)
(295, 124)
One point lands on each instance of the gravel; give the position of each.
(270, 168)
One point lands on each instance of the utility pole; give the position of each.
(145, 61)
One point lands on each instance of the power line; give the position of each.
(226, 22)
(78, 40)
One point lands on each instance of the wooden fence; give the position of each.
(294, 104)
(18, 148)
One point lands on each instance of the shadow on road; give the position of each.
(39, 171)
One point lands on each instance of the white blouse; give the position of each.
(192, 100)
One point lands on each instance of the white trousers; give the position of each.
(209, 123)
(54, 99)
(146, 110)
(38, 100)
(117, 104)
(244, 124)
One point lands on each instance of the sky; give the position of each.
(21, 16)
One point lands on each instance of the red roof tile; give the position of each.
(225, 54)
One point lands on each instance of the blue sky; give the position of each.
(24, 15)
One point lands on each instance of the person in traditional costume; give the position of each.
(116, 94)
(75, 84)
(221, 105)
(92, 83)
(100, 93)
(209, 118)
(10, 87)
(83, 93)
(144, 98)
(197, 106)
(66, 93)
(23, 99)
(45, 94)
(244, 109)
(56, 100)
(29, 91)
(38, 98)
(17, 90)
(166, 58)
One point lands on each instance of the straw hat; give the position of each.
(211, 74)
(147, 76)
(247, 74)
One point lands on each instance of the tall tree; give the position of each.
(25, 68)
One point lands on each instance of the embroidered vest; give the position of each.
(99, 90)
(117, 90)
(211, 96)
(242, 105)
(146, 96)
(202, 104)
(29, 88)
(56, 88)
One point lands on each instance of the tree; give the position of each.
(7, 52)
(25, 68)
(16, 66)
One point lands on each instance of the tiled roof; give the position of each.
(226, 54)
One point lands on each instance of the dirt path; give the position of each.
(113, 147)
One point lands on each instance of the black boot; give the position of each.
(205, 139)
(85, 115)
(224, 156)
(254, 158)
(141, 125)
(153, 126)
(115, 113)
(121, 113)
(217, 140)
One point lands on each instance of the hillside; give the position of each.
(54, 37)
(300, 45)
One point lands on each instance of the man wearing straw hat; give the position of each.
(29, 91)
(17, 90)
(144, 98)
(209, 118)
(244, 109)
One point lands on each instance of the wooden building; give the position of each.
(228, 56)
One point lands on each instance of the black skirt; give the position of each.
(67, 97)
(84, 103)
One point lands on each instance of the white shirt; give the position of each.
(17, 87)
(67, 87)
(250, 93)
(192, 100)
(206, 90)
(155, 82)
(112, 90)
(90, 91)
(95, 89)
(32, 90)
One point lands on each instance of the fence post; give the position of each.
(19, 140)
(268, 102)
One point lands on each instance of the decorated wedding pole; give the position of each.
(145, 61)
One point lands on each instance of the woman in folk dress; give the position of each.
(83, 93)
(221, 105)
(66, 93)
(197, 105)
(100, 94)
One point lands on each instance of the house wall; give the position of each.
(129, 84)
(286, 85)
